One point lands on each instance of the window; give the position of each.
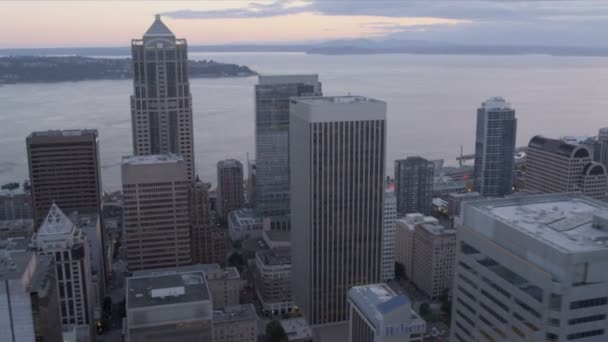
(586, 303)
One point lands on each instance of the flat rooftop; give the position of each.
(376, 300)
(288, 79)
(152, 159)
(166, 287)
(235, 313)
(321, 100)
(13, 263)
(18, 224)
(568, 222)
(296, 328)
(64, 133)
(275, 256)
(437, 229)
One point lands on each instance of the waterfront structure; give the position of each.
(244, 224)
(531, 268)
(64, 169)
(388, 235)
(554, 165)
(272, 95)
(455, 202)
(209, 245)
(378, 314)
(168, 305)
(161, 104)
(273, 280)
(229, 187)
(156, 211)
(602, 141)
(495, 147)
(15, 205)
(414, 185)
(28, 298)
(404, 239)
(236, 323)
(59, 238)
(337, 170)
(225, 284)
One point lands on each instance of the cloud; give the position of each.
(252, 10)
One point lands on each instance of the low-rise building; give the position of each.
(297, 330)
(16, 228)
(169, 305)
(235, 323)
(272, 280)
(378, 314)
(244, 224)
(225, 284)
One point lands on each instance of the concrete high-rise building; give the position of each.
(208, 244)
(378, 314)
(404, 239)
(556, 166)
(29, 310)
(495, 147)
(602, 139)
(65, 170)
(272, 95)
(58, 237)
(388, 235)
(532, 268)
(414, 185)
(229, 187)
(156, 211)
(337, 169)
(161, 104)
(168, 305)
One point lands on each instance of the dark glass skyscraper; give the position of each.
(414, 185)
(161, 107)
(495, 147)
(272, 95)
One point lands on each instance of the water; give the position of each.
(432, 103)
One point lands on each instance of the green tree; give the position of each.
(424, 310)
(275, 332)
(236, 260)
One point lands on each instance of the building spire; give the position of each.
(158, 29)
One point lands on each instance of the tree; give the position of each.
(424, 310)
(236, 260)
(275, 332)
(10, 186)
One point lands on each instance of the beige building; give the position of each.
(554, 165)
(272, 279)
(156, 211)
(235, 323)
(404, 237)
(64, 169)
(225, 284)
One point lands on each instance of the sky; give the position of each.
(113, 23)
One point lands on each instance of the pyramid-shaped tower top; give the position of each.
(56, 222)
(158, 29)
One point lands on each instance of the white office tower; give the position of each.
(532, 268)
(378, 314)
(337, 170)
(388, 235)
(60, 239)
(156, 211)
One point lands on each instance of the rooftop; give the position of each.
(495, 103)
(296, 328)
(235, 313)
(559, 146)
(166, 287)
(348, 99)
(64, 133)
(13, 263)
(229, 163)
(286, 79)
(377, 300)
(17, 224)
(245, 216)
(275, 256)
(158, 29)
(56, 222)
(568, 222)
(152, 159)
(437, 229)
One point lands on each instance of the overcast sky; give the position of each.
(114, 23)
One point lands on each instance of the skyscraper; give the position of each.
(272, 95)
(414, 185)
(337, 148)
(495, 147)
(65, 170)
(230, 194)
(208, 244)
(161, 106)
(388, 235)
(156, 211)
(602, 139)
(531, 268)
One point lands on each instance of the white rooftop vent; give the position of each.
(168, 292)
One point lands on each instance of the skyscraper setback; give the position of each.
(337, 148)
(495, 147)
(161, 106)
(272, 95)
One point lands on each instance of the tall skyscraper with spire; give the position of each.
(161, 106)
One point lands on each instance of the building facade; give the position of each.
(532, 268)
(388, 235)
(209, 245)
(556, 166)
(229, 187)
(59, 238)
(156, 211)
(414, 185)
(272, 280)
(65, 170)
(337, 169)
(161, 104)
(404, 239)
(15, 205)
(272, 95)
(495, 147)
(168, 305)
(378, 314)
(225, 284)
(236, 323)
